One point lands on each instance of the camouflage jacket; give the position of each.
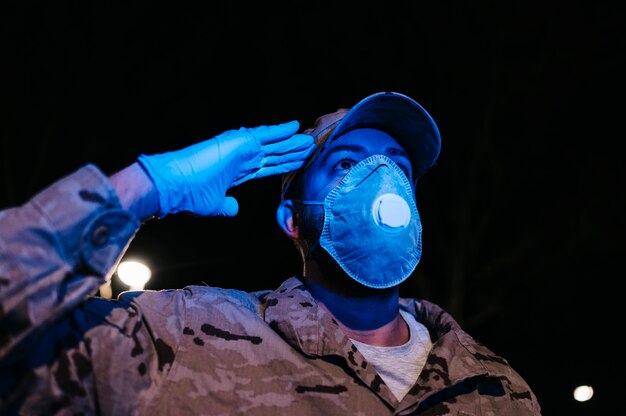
(198, 350)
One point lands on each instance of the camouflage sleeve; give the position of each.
(56, 250)
(61, 349)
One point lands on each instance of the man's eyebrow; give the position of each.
(343, 147)
(396, 151)
(356, 148)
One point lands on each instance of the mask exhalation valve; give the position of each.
(391, 212)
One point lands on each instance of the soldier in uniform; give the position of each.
(336, 340)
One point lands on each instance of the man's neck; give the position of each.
(367, 315)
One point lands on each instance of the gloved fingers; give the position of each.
(271, 170)
(274, 133)
(283, 158)
(277, 164)
(294, 144)
(278, 169)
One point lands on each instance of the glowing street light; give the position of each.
(134, 274)
(583, 393)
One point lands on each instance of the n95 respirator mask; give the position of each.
(371, 224)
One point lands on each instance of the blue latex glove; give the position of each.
(195, 179)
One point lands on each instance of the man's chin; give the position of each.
(332, 276)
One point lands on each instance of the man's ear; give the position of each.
(286, 217)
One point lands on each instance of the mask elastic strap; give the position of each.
(317, 243)
(311, 249)
(308, 202)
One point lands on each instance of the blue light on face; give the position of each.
(337, 157)
(371, 224)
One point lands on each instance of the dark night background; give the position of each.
(523, 214)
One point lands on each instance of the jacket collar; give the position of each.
(295, 315)
(454, 357)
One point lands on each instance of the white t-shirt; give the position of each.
(400, 366)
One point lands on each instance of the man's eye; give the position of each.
(346, 164)
(405, 170)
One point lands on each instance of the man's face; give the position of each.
(340, 155)
(323, 174)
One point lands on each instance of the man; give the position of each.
(337, 340)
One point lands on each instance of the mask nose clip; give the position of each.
(391, 213)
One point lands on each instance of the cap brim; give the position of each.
(401, 117)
